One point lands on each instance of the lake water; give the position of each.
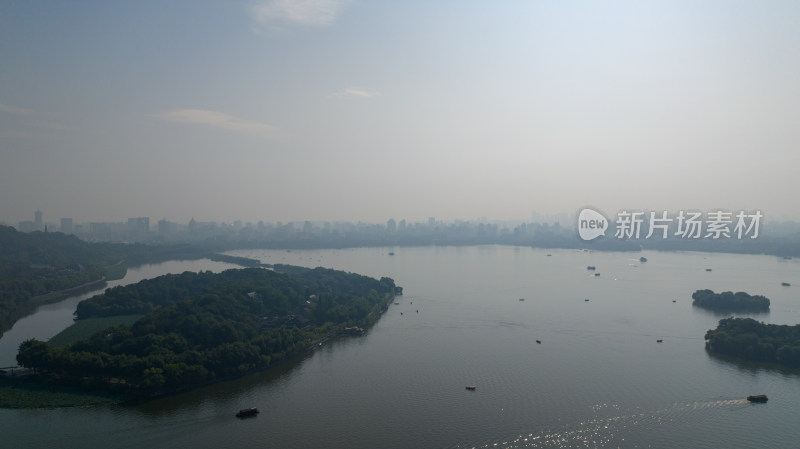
(598, 378)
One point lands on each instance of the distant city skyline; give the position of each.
(67, 224)
(144, 222)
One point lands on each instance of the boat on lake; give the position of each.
(757, 398)
(471, 387)
(643, 259)
(786, 284)
(247, 412)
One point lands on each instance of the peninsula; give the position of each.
(192, 329)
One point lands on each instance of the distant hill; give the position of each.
(38, 263)
(35, 266)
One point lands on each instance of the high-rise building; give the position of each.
(66, 226)
(139, 225)
(167, 227)
(37, 220)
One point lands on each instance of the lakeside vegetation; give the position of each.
(729, 301)
(203, 327)
(43, 267)
(748, 339)
(83, 329)
(31, 393)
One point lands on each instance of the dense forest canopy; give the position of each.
(199, 327)
(36, 264)
(749, 339)
(730, 301)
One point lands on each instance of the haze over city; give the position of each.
(352, 110)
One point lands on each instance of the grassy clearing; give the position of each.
(23, 393)
(82, 329)
(114, 272)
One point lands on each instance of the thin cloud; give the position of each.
(354, 92)
(300, 12)
(15, 110)
(218, 120)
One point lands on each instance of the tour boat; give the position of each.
(247, 412)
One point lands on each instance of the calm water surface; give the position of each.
(598, 378)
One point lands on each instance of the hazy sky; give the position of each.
(366, 110)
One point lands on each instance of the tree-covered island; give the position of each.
(729, 301)
(43, 267)
(752, 340)
(197, 328)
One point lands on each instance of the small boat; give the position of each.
(643, 259)
(247, 412)
(596, 274)
(391, 254)
(522, 299)
(539, 341)
(586, 300)
(708, 269)
(659, 341)
(471, 387)
(673, 300)
(757, 398)
(591, 267)
(786, 284)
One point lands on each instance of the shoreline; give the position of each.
(28, 391)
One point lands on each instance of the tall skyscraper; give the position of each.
(37, 221)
